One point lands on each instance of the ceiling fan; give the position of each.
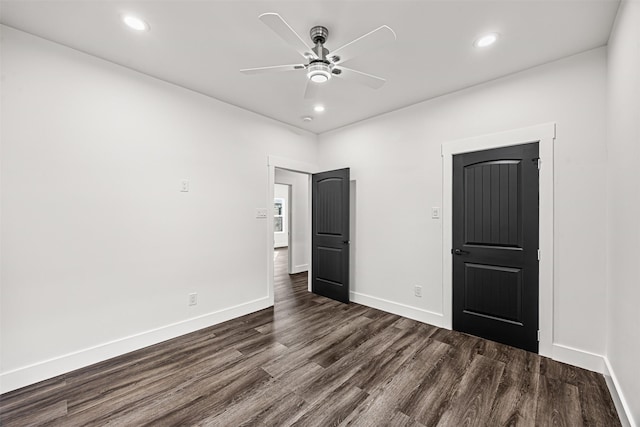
(321, 64)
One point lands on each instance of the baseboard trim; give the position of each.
(404, 310)
(31, 374)
(580, 358)
(299, 268)
(624, 411)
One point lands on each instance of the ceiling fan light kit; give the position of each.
(322, 65)
(319, 72)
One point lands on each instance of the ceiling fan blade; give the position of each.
(370, 80)
(284, 30)
(366, 43)
(311, 90)
(274, 69)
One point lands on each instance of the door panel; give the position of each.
(330, 234)
(495, 245)
(494, 292)
(491, 203)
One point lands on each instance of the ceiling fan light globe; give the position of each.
(319, 78)
(319, 73)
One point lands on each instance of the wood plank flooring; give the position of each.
(315, 362)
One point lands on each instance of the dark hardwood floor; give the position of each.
(315, 362)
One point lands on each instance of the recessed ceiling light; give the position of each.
(486, 40)
(307, 118)
(318, 108)
(135, 23)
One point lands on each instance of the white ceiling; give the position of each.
(201, 45)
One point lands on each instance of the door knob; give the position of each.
(460, 252)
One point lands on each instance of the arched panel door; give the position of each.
(330, 234)
(495, 245)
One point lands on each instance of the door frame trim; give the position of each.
(545, 135)
(274, 162)
(290, 266)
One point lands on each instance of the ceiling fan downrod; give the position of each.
(319, 36)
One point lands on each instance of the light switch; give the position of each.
(261, 213)
(435, 213)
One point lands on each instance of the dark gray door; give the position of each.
(495, 245)
(330, 234)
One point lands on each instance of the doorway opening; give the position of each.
(312, 250)
(291, 233)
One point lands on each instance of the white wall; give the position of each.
(281, 239)
(99, 247)
(395, 158)
(300, 227)
(623, 203)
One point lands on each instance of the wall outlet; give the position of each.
(417, 290)
(193, 299)
(435, 212)
(261, 213)
(184, 185)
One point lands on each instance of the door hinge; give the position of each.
(538, 335)
(539, 163)
(538, 254)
